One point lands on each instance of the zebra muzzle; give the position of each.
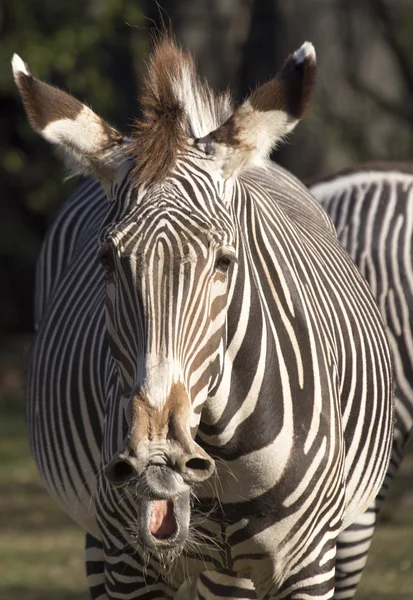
(165, 470)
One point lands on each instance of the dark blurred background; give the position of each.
(363, 108)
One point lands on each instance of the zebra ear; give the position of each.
(89, 145)
(266, 117)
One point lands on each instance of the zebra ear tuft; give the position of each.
(306, 51)
(89, 146)
(267, 116)
(19, 67)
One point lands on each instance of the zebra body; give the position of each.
(371, 207)
(232, 329)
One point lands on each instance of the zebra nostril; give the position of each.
(120, 471)
(199, 468)
(197, 464)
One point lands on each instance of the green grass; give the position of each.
(389, 571)
(41, 550)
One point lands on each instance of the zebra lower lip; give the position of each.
(162, 525)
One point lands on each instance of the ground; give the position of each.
(41, 550)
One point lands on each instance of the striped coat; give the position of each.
(217, 391)
(371, 207)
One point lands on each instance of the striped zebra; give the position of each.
(372, 207)
(211, 389)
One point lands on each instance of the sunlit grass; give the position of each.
(41, 549)
(389, 572)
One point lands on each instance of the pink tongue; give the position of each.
(163, 523)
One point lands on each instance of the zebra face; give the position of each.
(169, 269)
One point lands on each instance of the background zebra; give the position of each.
(232, 315)
(372, 207)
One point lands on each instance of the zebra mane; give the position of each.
(176, 105)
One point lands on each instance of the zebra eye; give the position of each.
(222, 264)
(105, 256)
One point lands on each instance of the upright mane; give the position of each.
(176, 105)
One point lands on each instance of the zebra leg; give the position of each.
(218, 585)
(128, 576)
(223, 584)
(95, 568)
(354, 542)
(352, 550)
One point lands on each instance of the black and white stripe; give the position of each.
(372, 207)
(216, 393)
(296, 395)
(372, 210)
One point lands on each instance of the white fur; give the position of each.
(85, 133)
(205, 111)
(305, 51)
(83, 143)
(261, 131)
(329, 188)
(19, 66)
(161, 373)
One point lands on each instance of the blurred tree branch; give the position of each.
(386, 21)
(399, 110)
(385, 17)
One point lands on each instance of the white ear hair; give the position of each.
(88, 144)
(19, 66)
(266, 117)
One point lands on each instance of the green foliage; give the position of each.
(88, 47)
(405, 33)
(84, 46)
(71, 41)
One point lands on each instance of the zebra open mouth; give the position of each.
(162, 523)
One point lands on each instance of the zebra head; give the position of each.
(170, 248)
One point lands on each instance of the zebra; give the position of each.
(371, 206)
(211, 388)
